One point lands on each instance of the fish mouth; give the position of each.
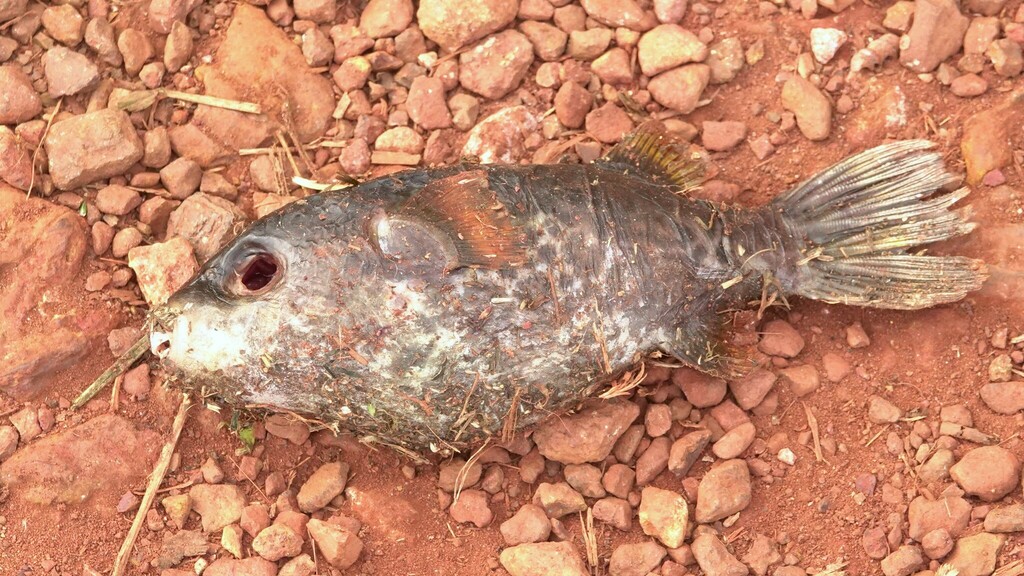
(161, 328)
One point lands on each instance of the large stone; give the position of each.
(162, 268)
(663, 514)
(587, 436)
(976, 555)
(620, 13)
(19, 101)
(340, 547)
(543, 559)
(207, 222)
(714, 558)
(217, 504)
(96, 461)
(680, 88)
(988, 472)
(92, 147)
(298, 91)
(812, 109)
(497, 65)
(41, 250)
(936, 34)
(985, 144)
(723, 491)
(457, 23)
(950, 513)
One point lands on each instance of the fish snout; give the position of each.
(160, 344)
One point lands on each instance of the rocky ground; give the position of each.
(867, 441)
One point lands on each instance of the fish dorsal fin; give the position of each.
(651, 153)
(456, 220)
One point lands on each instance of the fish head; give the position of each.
(258, 320)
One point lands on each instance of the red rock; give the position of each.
(969, 86)
(400, 139)
(548, 41)
(572, 102)
(750, 389)
(609, 123)
(529, 524)
(497, 65)
(812, 109)
(670, 11)
(588, 435)
(322, 486)
(618, 480)
(653, 461)
(15, 161)
(558, 499)
(9, 443)
(276, 542)
(539, 559)
(501, 137)
(20, 102)
(181, 178)
(124, 240)
(234, 567)
(426, 104)
(162, 268)
(714, 558)
(903, 561)
(457, 23)
(723, 136)
(217, 504)
(701, 390)
(68, 72)
(117, 200)
(637, 559)
(135, 48)
(457, 472)
(988, 472)
(735, 441)
(836, 367)
(164, 14)
(658, 420)
(43, 246)
(207, 222)
(936, 34)
(951, 514)
(686, 450)
(663, 514)
(308, 95)
(340, 547)
(802, 379)
(614, 511)
(680, 88)
(63, 23)
(585, 479)
(91, 147)
(619, 13)
(471, 507)
(613, 67)
(723, 491)
(386, 18)
(254, 519)
(668, 46)
(780, 339)
(62, 468)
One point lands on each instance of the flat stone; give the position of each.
(723, 491)
(588, 435)
(91, 147)
(542, 558)
(663, 514)
(65, 468)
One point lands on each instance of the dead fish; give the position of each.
(432, 308)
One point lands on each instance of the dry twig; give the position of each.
(120, 365)
(155, 479)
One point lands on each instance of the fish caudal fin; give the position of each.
(863, 222)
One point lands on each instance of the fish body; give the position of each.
(432, 308)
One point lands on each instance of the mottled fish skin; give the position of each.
(618, 267)
(433, 308)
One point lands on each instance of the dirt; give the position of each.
(919, 361)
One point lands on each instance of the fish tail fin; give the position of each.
(863, 222)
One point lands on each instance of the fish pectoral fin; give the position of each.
(458, 218)
(652, 153)
(703, 343)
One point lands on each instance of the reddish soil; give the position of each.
(918, 360)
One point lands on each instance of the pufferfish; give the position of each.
(432, 308)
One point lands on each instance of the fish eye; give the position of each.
(255, 273)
